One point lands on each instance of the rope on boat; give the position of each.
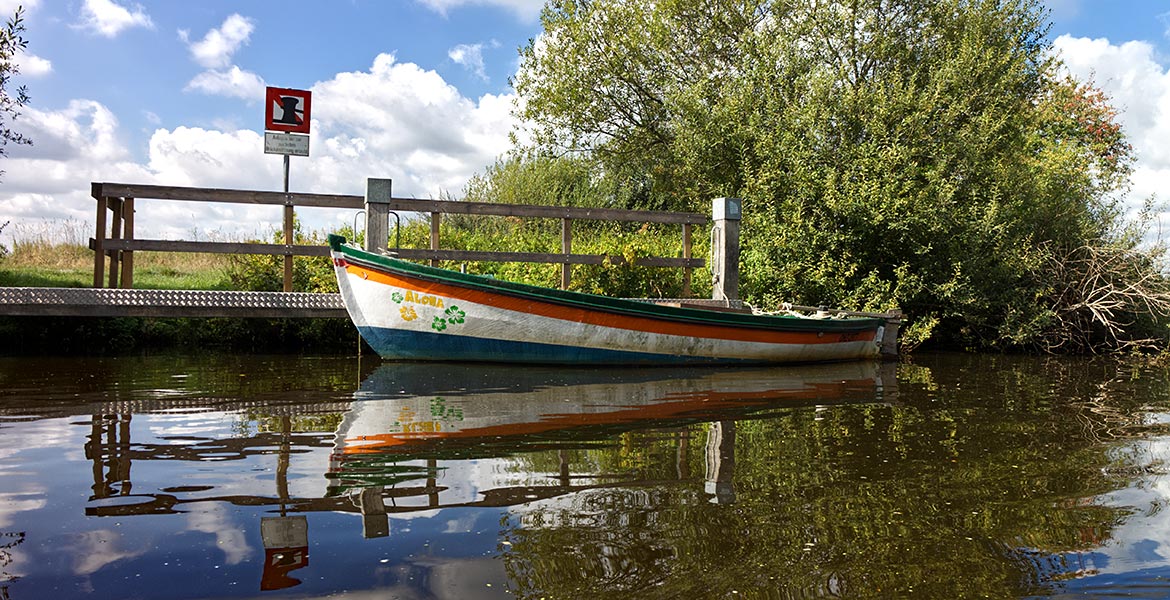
(818, 312)
(790, 310)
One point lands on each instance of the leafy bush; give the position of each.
(265, 273)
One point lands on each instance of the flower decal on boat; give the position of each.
(439, 324)
(408, 313)
(397, 297)
(454, 314)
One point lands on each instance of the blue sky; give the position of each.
(143, 71)
(169, 92)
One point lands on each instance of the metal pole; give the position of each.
(288, 231)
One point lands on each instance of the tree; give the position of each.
(919, 154)
(12, 43)
(614, 80)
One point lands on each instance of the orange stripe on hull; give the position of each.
(697, 403)
(606, 319)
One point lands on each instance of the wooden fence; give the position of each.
(115, 238)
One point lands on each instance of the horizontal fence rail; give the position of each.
(119, 244)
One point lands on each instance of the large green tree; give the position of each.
(919, 154)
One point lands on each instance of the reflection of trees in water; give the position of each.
(982, 481)
(8, 541)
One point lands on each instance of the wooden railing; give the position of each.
(116, 240)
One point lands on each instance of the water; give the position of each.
(243, 477)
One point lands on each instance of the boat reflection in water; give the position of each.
(408, 417)
(418, 438)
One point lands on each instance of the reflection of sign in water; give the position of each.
(287, 110)
(286, 549)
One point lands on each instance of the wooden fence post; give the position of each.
(99, 246)
(687, 251)
(726, 213)
(377, 214)
(436, 220)
(566, 249)
(128, 234)
(115, 234)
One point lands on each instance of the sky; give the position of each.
(171, 93)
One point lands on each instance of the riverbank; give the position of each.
(39, 261)
(28, 336)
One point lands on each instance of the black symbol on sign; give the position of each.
(290, 111)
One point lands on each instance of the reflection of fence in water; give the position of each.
(380, 465)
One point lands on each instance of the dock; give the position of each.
(121, 302)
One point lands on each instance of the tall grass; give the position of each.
(57, 254)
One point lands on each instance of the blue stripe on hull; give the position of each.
(397, 344)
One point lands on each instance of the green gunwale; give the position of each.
(602, 303)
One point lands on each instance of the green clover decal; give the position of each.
(454, 314)
(439, 324)
(397, 297)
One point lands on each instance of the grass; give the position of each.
(65, 265)
(55, 257)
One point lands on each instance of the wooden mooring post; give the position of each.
(377, 206)
(726, 213)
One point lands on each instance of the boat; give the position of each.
(410, 311)
(405, 412)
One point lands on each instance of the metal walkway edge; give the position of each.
(106, 302)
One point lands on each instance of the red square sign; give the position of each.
(287, 110)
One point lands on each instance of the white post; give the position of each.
(725, 212)
(719, 484)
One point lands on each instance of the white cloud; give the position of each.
(108, 18)
(234, 82)
(229, 535)
(470, 56)
(93, 550)
(216, 48)
(527, 10)
(393, 120)
(1139, 86)
(214, 52)
(413, 123)
(31, 65)
(13, 504)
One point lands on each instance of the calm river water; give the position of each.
(950, 476)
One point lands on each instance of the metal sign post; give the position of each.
(286, 131)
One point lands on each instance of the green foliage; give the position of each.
(917, 154)
(12, 43)
(265, 272)
(962, 488)
(543, 179)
